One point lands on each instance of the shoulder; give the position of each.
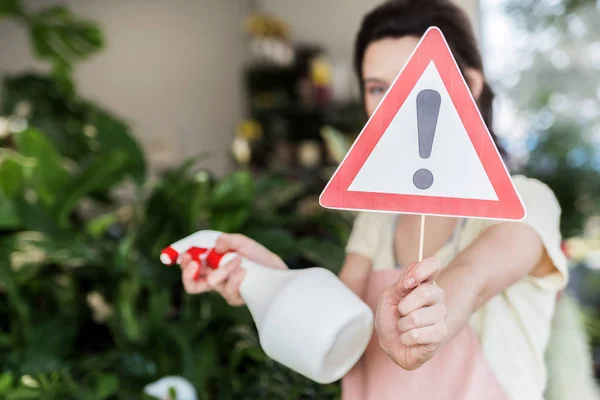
(535, 193)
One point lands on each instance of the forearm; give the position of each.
(461, 293)
(355, 273)
(499, 258)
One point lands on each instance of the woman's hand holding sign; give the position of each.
(411, 316)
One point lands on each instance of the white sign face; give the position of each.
(456, 169)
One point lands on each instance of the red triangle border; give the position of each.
(432, 47)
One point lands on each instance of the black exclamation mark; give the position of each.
(428, 109)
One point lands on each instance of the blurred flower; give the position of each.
(161, 388)
(23, 109)
(265, 25)
(202, 176)
(4, 127)
(25, 255)
(249, 130)
(320, 72)
(27, 380)
(241, 150)
(90, 131)
(31, 196)
(309, 154)
(17, 124)
(100, 308)
(592, 227)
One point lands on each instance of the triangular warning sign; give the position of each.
(426, 148)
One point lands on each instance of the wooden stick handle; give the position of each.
(421, 240)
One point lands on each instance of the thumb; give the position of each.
(228, 242)
(405, 285)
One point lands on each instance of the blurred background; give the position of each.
(126, 125)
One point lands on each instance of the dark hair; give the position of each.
(398, 18)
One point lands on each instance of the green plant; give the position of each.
(86, 309)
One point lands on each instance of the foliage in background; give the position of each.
(86, 309)
(554, 89)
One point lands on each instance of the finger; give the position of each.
(217, 278)
(422, 317)
(185, 260)
(425, 295)
(232, 287)
(432, 334)
(425, 271)
(194, 286)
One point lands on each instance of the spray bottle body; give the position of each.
(307, 320)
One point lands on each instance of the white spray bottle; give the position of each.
(307, 320)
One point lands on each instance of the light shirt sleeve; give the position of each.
(364, 239)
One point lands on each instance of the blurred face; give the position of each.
(385, 58)
(382, 61)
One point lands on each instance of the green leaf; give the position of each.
(323, 253)
(124, 251)
(5, 340)
(106, 385)
(48, 175)
(68, 249)
(9, 215)
(135, 364)
(230, 221)
(6, 382)
(51, 341)
(17, 301)
(61, 37)
(99, 225)
(24, 393)
(105, 170)
(11, 177)
(276, 192)
(234, 190)
(114, 134)
(8, 7)
(126, 307)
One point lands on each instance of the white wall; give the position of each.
(172, 69)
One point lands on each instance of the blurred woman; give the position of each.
(472, 320)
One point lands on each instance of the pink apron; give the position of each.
(457, 372)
